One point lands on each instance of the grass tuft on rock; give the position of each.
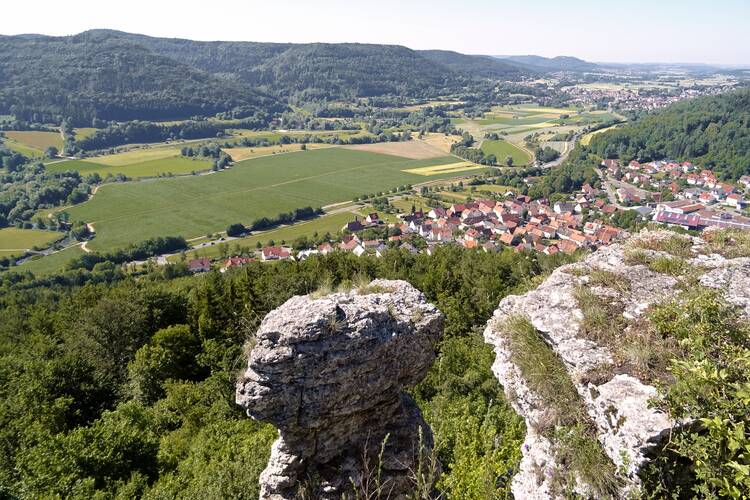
(729, 243)
(677, 246)
(578, 453)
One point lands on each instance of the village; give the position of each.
(680, 194)
(488, 225)
(676, 194)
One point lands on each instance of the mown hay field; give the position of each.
(441, 141)
(414, 149)
(33, 140)
(262, 187)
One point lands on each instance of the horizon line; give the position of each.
(733, 65)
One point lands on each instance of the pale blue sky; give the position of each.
(627, 30)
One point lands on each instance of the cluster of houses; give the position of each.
(701, 200)
(488, 225)
(684, 180)
(633, 98)
(517, 222)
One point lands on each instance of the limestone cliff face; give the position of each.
(329, 373)
(618, 404)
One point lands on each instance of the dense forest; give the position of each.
(29, 188)
(110, 75)
(47, 79)
(333, 70)
(120, 387)
(710, 131)
(479, 66)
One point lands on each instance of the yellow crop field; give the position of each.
(451, 168)
(83, 132)
(586, 139)
(135, 156)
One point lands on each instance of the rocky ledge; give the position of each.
(615, 397)
(329, 373)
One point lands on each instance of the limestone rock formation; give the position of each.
(329, 373)
(618, 404)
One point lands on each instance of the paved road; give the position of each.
(567, 148)
(611, 185)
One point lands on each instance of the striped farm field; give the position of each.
(415, 149)
(135, 156)
(193, 206)
(451, 168)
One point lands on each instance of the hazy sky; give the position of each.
(711, 31)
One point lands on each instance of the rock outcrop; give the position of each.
(329, 373)
(618, 404)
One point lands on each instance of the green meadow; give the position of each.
(150, 168)
(52, 263)
(501, 149)
(14, 241)
(261, 187)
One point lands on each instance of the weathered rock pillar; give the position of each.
(330, 373)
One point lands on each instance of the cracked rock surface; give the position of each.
(619, 406)
(329, 373)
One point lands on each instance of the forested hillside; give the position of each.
(112, 75)
(479, 66)
(709, 131)
(559, 63)
(44, 79)
(120, 387)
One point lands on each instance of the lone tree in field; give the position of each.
(236, 229)
(509, 160)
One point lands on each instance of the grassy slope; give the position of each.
(193, 206)
(13, 239)
(50, 264)
(501, 149)
(148, 168)
(33, 143)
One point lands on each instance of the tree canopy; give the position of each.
(710, 131)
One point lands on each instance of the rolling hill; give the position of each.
(120, 76)
(476, 66)
(546, 64)
(48, 78)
